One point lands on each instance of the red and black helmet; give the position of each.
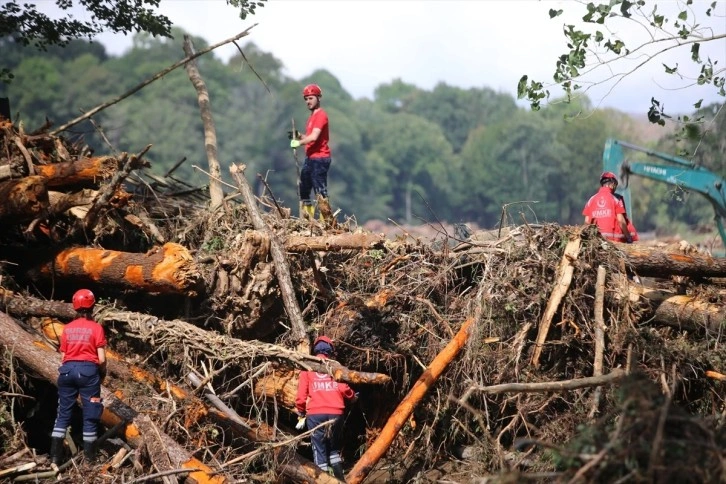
(323, 344)
(312, 90)
(83, 299)
(607, 176)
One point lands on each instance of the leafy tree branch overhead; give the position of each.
(603, 51)
(30, 27)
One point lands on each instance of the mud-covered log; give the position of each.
(23, 199)
(165, 269)
(44, 361)
(655, 262)
(357, 241)
(89, 172)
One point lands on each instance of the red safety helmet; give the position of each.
(83, 299)
(325, 341)
(608, 175)
(312, 90)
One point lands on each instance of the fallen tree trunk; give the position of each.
(23, 199)
(165, 269)
(284, 280)
(680, 311)
(146, 327)
(360, 241)
(654, 262)
(88, 172)
(404, 410)
(44, 361)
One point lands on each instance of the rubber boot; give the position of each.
(338, 471)
(89, 450)
(56, 450)
(309, 212)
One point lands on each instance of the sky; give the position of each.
(463, 43)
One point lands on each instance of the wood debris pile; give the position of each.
(522, 353)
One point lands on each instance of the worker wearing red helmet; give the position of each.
(82, 370)
(321, 399)
(314, 173)
(608, 211)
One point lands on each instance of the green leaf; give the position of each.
(694, 52)
(683, 15)
(555, 13)
(670, 70)
(698, 104)
(522, 87)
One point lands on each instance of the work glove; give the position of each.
(300, 422)
(294, 144)
(297, 135)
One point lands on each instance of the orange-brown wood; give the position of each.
(84, 171)
(404, 410)
(166, 269)
(23, 199)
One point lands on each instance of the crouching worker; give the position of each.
(321, 399)
(82, 370)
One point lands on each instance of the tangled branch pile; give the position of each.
(569, 370)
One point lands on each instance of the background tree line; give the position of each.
(409, 154)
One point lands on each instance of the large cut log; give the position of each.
(146, 327)
(88, 172)
(655, 262)
(680, 311)
(165, 269)
(44, 361)
(23, 199)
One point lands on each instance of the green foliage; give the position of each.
(588, 51)
(410, 155)
(28, 26)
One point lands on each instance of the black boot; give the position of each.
(338, 471)
(56, 450)
(89, 449)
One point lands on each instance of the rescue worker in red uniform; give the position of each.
(607, 210)
(82, 370)
(319, 400)
(314, 173)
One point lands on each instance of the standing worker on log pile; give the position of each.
(314, 173)
(82, 370)
(321, 399)
(607, 210)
